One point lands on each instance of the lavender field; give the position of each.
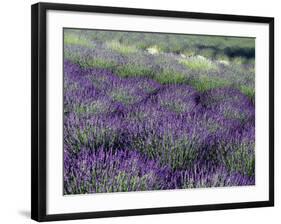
(145, 111)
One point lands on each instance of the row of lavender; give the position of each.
(133, 133)
(165, 68)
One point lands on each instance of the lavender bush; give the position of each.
(149, 117)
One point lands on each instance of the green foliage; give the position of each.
(170, 77)
(248, 91)
(95, 136)
(241, 159)
(239, 60)
(203, 83)
(93, 108)
(121, 96)
(90, 62)
(101, 63)
(76, 39)
(207, 52)
(178, 153)
(199, 63)
(131, 70)
(123, 182)
(121, 48)
(175, 106)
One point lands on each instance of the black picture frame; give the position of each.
(39, 122)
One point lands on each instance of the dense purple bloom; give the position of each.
(208, 175)
(107, 170)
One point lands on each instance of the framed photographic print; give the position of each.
(140, 111)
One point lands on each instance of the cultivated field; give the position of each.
(146, 111)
